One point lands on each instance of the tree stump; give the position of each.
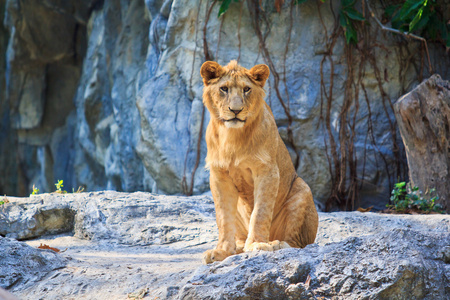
(423, 116)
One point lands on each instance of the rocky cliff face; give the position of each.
(107, 94)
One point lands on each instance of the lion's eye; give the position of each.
(246, 89)
(224, 89)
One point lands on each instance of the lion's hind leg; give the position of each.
(240, 246)
(298, 221)
(305, 219)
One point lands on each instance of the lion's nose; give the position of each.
(236, 111)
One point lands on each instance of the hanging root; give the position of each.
(341, 154)
(257, 14)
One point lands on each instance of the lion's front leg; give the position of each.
(225, 197)
(265, 193)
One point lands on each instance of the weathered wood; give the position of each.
(423, 116)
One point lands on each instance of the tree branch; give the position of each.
(405, 34)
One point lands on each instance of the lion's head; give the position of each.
(233, 94)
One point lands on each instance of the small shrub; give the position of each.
(403, 197)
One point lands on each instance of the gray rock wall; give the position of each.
(7, 147)
(107, 94)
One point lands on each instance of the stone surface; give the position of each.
(35, 217)
(123, 243)
(21, 266)
(395, 264)
(107, 94)
(131, 219)
(423, 116)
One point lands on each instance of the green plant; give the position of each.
(427, 203)
(79, 190)
(59, 185)
(35, 190)
(421, 16)
(404, 197)
(424, 17)
(348, 18)
(224, 6)
(398, 197)
(5, 200)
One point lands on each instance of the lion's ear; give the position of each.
(260, 73)
(210, 70)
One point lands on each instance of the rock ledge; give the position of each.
(119, 244)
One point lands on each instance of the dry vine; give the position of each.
(256, 15)
(341, 153)
(343, 163)
(239, 32)
(189, 191)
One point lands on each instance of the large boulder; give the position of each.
(21, 266)
(132, 219)
(423, 116)
(395, 264)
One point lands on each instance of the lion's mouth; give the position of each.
(235, 119)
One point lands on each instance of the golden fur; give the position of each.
(260, 202)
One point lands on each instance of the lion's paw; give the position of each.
(270, 246)
(214, 255)
(240, 246)
(258, 246)
(277, 245)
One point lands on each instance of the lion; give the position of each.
(260, 202)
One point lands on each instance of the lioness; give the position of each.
(260, 202)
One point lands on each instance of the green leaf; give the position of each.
(409, 7)
(349, 30)
(343, 20)
(422, 23)
(400, 184)
(353, 14)
(224, 7)
(350, 35)
(347, 3)
(415, 20)
(403, 204)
